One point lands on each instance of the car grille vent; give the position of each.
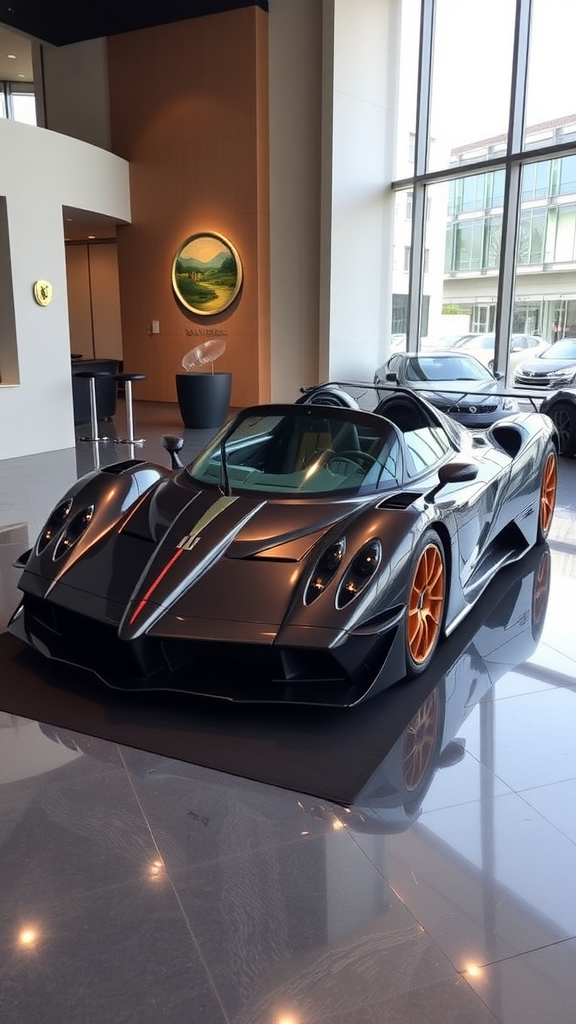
(122, 467)
(403, 500)
(466, 410)
(541, 380)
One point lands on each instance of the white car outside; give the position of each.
(522, 347)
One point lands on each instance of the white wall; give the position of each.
(359, 164)
(295, 73)
(40, 172)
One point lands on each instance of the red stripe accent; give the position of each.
(153, 586)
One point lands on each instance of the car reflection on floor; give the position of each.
(503, 634)
(507, 636)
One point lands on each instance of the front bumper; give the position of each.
(337, 676)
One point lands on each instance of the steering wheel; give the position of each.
(339, 462)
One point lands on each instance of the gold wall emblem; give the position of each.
(43, 292)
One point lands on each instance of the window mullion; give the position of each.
(421, 144)
(512, 187)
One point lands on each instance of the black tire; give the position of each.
(563, 416)
(425, 603)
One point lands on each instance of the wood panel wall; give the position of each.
(93, 300)
(189, 111)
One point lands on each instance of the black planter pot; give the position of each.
(204, 398)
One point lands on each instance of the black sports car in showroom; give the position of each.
(307, 555)
(455, 382)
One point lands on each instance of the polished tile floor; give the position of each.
(134, 889)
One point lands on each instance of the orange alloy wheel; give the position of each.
(426, 604)
(548, 493)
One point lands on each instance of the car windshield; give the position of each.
(448, 367)
(561, 350)
(296, 451)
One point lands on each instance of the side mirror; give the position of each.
(173, 445)
(453, 473)
(457, 472)
(392, 377)
(498, 374)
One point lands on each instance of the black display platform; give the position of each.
(326, 753)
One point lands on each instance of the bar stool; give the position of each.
(90, 376)
(127, 379)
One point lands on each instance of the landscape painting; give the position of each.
(206, 273)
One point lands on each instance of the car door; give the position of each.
(480, 510)
(479, 506)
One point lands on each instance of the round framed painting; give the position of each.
(206, 273)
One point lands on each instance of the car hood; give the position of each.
(546, 366)
(454, 391)
(187, 557)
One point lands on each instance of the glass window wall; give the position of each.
(486, 174)
(18, 102)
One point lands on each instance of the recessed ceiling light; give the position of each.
(11, 56)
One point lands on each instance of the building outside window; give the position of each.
(490, 185)
(18, 102)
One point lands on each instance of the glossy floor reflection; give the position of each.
(139, 889)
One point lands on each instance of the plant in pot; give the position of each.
(203, 397)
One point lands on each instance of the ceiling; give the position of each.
(61, 22)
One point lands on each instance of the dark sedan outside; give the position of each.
(554, 368)
(555, 371)
(456, 383)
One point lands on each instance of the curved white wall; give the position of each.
(40, 172)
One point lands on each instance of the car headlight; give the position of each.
(510, 404)
(559, 373)
(325, 569)
(55, 522)
(73, 530)
(360, 572)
